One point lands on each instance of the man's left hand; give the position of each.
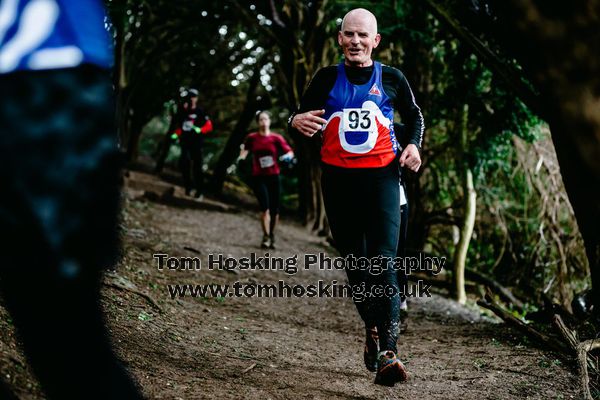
(411, 158)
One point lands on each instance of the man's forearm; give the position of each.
(316, 93)
(418, 127)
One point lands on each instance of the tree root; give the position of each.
(529, 331)
(149, 299)
(568, 347)
(580, 351)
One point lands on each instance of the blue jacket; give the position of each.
(53, 34)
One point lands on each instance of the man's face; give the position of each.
(358, 38)
(193, 101)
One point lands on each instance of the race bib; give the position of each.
(359, 120)
(402, 196)
(188, 125)
(266, 161)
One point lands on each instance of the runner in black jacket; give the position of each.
(352, 104)
(192, 124)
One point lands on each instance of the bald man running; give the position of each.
(353, 104)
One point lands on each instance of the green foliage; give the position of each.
(511, 213)
(143, 316)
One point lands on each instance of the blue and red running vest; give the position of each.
(360, 124)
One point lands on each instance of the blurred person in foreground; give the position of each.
(59, 193)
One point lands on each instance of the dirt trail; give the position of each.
(295, 348)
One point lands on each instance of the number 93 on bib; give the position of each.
(358, 120)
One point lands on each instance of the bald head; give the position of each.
(358, 37)
(362, 16)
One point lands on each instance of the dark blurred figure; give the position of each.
(191, 125)
(59, 192)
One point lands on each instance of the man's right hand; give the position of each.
(309, 123)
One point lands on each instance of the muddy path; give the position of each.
(282, 348)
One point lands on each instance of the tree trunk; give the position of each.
(583, 189)
(136, 123)
(232, 147)
(301, 56)
(466, 231)
(120, 81)
(465, 237)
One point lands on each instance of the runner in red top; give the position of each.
(265, 147)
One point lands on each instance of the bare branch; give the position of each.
(275, 15)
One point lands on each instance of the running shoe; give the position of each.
(266, 242)
(371, 349)
(390, 370)
(272, 244)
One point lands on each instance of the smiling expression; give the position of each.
(358, 37)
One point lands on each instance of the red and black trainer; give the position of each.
(390, 370)
(371, 349)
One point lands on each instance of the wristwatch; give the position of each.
(289, 121)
